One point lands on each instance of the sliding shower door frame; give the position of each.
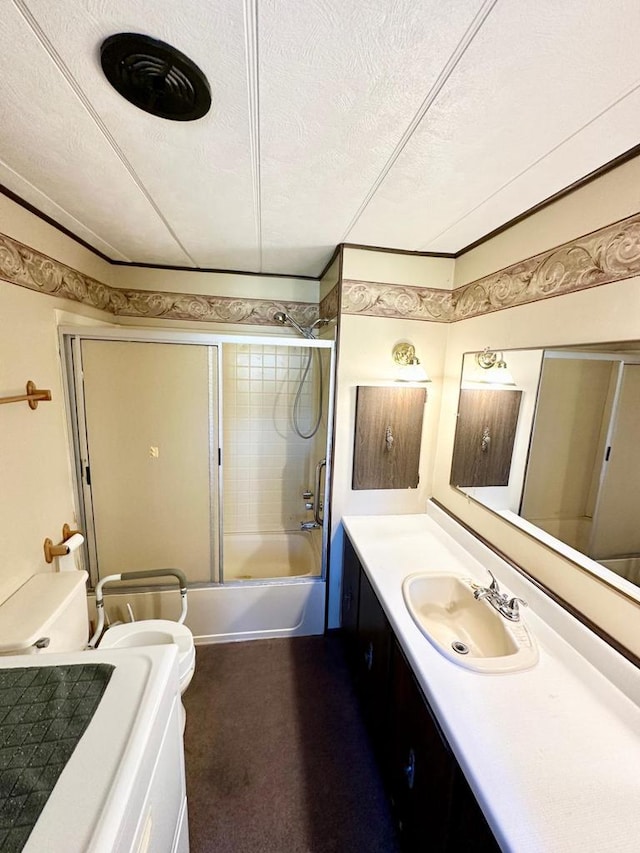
(71, 338)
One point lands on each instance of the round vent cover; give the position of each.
(155, 76)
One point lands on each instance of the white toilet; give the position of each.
(148, 632)
(49, 613)
(154, 632)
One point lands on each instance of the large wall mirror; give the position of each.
(550, 440)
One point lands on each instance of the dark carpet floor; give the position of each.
(277, 757)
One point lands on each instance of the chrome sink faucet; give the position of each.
(507, 607)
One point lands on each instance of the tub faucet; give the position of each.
(309, 525)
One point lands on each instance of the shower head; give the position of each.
(282, 317)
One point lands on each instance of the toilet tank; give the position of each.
(46, 614)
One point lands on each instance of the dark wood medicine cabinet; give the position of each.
(388, 434)
(432, 804)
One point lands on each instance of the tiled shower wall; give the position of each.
(266, 466)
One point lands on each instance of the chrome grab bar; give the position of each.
(134, 576)
(319, 504)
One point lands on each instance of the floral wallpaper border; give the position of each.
(602, 257)
(28, 268)
(330, 305)
(610, 254)
(374, 299)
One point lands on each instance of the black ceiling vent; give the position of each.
(155, 76)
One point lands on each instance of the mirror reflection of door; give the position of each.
(149, 429)
(616, 527)
(568, 446)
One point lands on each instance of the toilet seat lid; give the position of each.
(153, 632)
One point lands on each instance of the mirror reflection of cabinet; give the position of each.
(575, 467)
(485, 433)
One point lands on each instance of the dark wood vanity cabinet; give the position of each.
(421, 767)
(372, 665)
(350, 601)
(434, 807)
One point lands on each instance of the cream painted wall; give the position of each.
(606, 313)
(36, 494)
(23, 226)
(364, 358)
(602, 202)
(395, 268)
(34, 467)
(601, 314)
(35, 472)
(330, 279)
(217, 284)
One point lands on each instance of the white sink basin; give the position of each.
(465, 630)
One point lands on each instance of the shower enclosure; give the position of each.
(206, 453)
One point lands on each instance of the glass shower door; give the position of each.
(151, 466)
(271, 402)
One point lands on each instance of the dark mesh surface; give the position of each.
(44, 711)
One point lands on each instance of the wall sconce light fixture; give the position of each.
(491, 369)
(408, 366)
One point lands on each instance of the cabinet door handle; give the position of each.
(410, 769)
(368, 656)
(348, 599)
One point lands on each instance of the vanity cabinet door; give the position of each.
(372, 665)
(468, 825)
(421, 766)
(350, 601)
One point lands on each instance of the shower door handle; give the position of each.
(319, 519)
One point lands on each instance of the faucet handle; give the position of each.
(510, 609)
(494, 587)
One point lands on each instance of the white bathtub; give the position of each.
(626, 567)
(272, 588)
(282, 554)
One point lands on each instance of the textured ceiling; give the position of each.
(412, 125)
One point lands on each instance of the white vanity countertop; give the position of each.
(552, 753)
